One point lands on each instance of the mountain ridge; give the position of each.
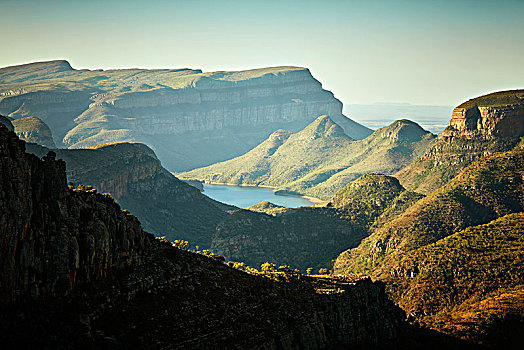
(227, 112)
(320, 163)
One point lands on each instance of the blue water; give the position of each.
(244, 196)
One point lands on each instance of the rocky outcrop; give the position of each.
(79, 273)
(478, 121)
(134, 176)
(479, 127)
(54, 238)
(33, 130)
(189, 118)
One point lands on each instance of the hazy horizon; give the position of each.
(437, 53)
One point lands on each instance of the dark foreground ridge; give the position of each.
(76, 272)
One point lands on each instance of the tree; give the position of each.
(267, 266)
(309, 270)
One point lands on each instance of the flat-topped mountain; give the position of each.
(321, 158)
(499, 114)
(478, 127)
(189, 118)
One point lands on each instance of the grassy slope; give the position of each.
(500, 98)
(487, 189)
(470, 284)
(446, 159)
(320, 159)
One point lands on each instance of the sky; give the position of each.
(400, 51)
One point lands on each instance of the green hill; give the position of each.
(487, 189)
(373, 199)
(320, 159)
(470, 284)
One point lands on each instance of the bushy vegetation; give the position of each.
(469, 284)
(489, 188)
(495, 99)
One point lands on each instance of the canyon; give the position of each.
(77, 272)
(188, 117)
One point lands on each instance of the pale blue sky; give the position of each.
(420, 52)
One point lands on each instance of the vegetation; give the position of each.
(373, 199)
(446, 159)
(489, 188)
(469, 284)
(297, 237)
(495, 99)
(320, 159)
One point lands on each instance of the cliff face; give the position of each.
(134, 176)
(479, 127)
(188, 117)
(54, 238)
(78, 273)
(478, 121)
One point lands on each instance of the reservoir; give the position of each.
(246, 196)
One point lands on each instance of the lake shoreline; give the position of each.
(311, 199)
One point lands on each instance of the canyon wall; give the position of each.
(189, 118)
(478, 127)
(79, 273)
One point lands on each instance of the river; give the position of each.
(246, 196)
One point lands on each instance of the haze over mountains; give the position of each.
(188, 117)
(437, 219)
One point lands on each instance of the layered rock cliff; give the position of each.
(77, 272)
(214, 116)
(479, 127)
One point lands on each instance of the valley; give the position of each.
(420, 230)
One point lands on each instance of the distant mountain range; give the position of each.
(189, 118)
(378, 115)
